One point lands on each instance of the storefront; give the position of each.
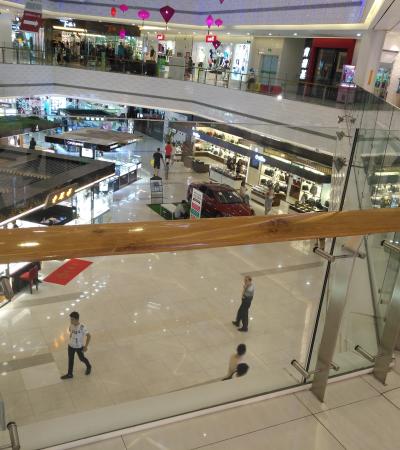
(323, 62)
(303, 182)
(50, 190)
(94, 143)
(69, 40)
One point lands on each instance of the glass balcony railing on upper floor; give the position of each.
(265, 83)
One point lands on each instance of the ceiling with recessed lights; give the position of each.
(258, 17)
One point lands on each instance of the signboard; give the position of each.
(87, 153)
(161, 37)
(211, 38)
(195, 206)
(32, 19)
(60, 195)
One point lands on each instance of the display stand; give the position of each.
(156, 190)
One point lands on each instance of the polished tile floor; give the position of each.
(162, 322)
(355, 416)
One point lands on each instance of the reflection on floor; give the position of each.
(159, 322)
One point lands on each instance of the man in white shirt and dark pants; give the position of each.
(243, 311)
(77, 335)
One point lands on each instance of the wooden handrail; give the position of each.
(61, 242)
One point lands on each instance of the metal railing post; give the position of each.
(391, 329)
(14, 438)
(340, 274)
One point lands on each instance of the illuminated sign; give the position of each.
(160, 37)
(60, 195)
(211, 38)
(260, 158)
(87, 153)
(77, 144)
(68, 23)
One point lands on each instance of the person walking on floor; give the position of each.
(77, 334)
(269, 199)
(32, 144)
(157, 157)
(235, 359)
(243, 311)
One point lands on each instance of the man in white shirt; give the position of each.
(243, 312)
(77, 335)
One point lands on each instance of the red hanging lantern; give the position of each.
(124, 8)
(113, 11)
(122, 33)
(219, 22)
(167, 13)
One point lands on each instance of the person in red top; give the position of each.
(168, 151)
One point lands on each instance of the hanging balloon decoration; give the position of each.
(216, 44)
(209, 22)
(144, 15)
(122, 33)
(219, 22)
(124, 8)
(167, 13)
(113, 11)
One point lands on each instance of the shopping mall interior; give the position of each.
(194, 192)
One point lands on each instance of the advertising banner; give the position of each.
(195, 206)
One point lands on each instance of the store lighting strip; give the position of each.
(11, 219)
(36, 208)
(93, 183)
(72, 29)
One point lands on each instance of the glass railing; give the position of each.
(255, 82)
(161, 326)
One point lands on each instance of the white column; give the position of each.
(5, 30)
(368, 58)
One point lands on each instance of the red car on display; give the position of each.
(220, 200)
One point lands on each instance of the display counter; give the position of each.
(125, 174)
(225, 177)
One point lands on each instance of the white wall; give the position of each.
(392, 43)
(290, 60)
(368, 58)
(250, 111)
(5, 30)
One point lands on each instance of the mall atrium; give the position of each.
(192, 192)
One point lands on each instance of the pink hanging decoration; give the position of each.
(209, 21)
(167, 12)
(221, 1)
(143, 14)
(124, 8)
(122, 33)
(216, 44)
(219, 22)
(113, 11)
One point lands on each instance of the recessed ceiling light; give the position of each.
(248, 34)
(294, 34)
(228, 32)
(269, 34)
(358, 34)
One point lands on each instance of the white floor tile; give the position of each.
(338, 394)
(367, 425)
(41, 376)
